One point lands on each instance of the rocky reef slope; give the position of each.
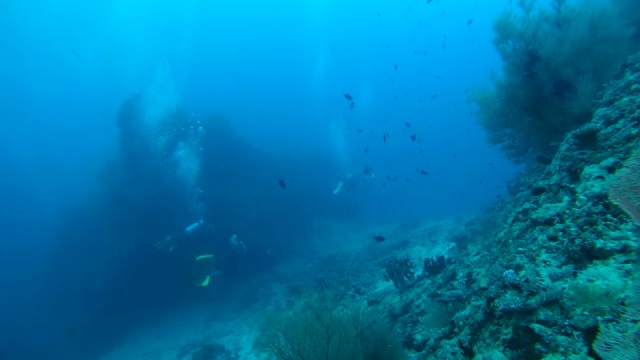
(549, 272)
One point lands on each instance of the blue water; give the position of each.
(266, 82)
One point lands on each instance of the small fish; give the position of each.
(395, 67)
(422, 172)
(384, 138)
(367, 170)
(348, 97)
(366, 150)
(470, 21)
(413, 137)
(407, 124)
(388, 177)
(282, 184)
(434, 96)
(379, 238)
(75, 53)
(351, 105)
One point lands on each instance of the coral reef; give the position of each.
(553, 278)
(555, 60)
(400, 272)
(435, 265)
(321, 326)
(549, 272)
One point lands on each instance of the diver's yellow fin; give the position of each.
(206, 281)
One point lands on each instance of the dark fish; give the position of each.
(348, 97)
(395, 66)
(434, 96)
(282, 184)
(379, 238)
(367, 170)
(366, 149)
(454, 155)
(359, 131)
(384, 138)
(388, 177)
(444, 46)
(351, 105)
(470, 21)
(75, 53)
(413, 138)
(422, 172)
(407, 124)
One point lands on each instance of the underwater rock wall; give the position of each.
(550, 271)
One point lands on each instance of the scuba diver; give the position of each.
(189, 246)
(194, 246)
(349, 182)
